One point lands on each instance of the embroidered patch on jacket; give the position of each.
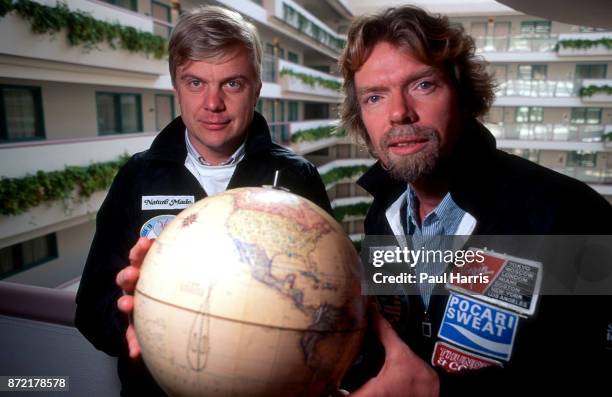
(479, 326)
(166, 202)
(513, 283)
(154, 226)
(452, 359)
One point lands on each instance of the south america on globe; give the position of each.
(251, 292)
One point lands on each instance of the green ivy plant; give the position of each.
(585, 43)
(17, 195)
(83, 29)
(357, 209)
(314, 134)
(607, 137)
(595, 89)
(338, 173)
(312, 80)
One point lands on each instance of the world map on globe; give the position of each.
(251, 292)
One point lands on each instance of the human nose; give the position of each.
(402, 109)
(213, 100)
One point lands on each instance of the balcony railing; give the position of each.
(296, 16)
(538, 88)
(550, 132)
(591, 43)
(516, 43)
(19, 159)
(304, 80)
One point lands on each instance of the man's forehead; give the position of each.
(232, 60)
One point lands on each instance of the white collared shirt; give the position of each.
(213, 178)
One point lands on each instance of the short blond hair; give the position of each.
(432, 40)
(210, 32)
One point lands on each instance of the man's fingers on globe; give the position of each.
(127, 278)
(133, 345)
(139, 250)
(126, 304)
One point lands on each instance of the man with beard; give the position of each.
(414, 91)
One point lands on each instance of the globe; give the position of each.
(251, 292)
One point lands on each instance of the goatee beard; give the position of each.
(410, 168)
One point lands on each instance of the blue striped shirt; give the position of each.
(444, 220)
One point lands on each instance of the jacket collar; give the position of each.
(169, 144)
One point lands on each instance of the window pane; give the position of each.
(129, 4)
(593, 115)
(578, 116)
(163, 110)
(20, 110)
(293, 111)
(160, 11)
(597, 71)
(538, 72)
(536, 115)
(524, 72)
(522, 114)
(129, 113)
(542, 27)
(7, 260)
(107, 117)
(293, 57)
(35, 250)
(27, 254)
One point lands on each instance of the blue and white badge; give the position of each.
(154, 226)
(479, 326)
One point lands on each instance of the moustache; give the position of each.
(408, 131)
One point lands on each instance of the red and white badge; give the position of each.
(512, 283)
(453, 359)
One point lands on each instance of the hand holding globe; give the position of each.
(250, 292)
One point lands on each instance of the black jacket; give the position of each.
(563, 345)
(156, 172)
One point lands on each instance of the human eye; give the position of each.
(371, 99)
(425, 86)
(234, 84)
(194, 83)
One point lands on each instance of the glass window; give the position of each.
(160, 11)
(293, 111)
(526, 114)
(20, 114)
(22, 256)
(118, 113)
(293, 57)
(586, 116)
(591, 71)
(532, 72)
(535, 27)
(129, 4)
(164, 110)
(581, 159)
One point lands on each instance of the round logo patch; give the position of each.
(154, 226)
